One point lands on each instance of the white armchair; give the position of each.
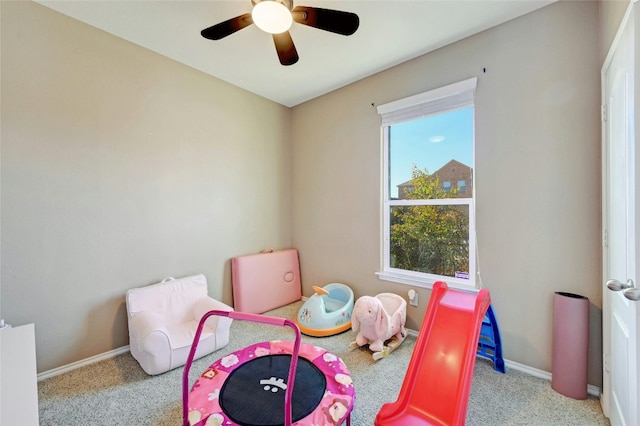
(163, 319)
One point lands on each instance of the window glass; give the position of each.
(440, 146)
(430, 239)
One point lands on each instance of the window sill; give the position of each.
(424, 282)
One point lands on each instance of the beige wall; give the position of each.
(121, 167)
(537, 173)
(610, 15)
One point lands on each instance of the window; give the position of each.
(429, 224)
(462, 186)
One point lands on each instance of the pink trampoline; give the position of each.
(269, 383)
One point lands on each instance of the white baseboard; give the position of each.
(591, 389)
(74, 365)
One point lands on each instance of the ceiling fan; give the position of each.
(277, 16)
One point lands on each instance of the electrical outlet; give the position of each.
(413, 297)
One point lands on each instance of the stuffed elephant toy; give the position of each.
(379, 318)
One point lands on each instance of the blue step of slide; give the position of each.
(489, 344)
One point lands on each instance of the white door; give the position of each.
(621, 315)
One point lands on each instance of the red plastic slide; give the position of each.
(436, 387)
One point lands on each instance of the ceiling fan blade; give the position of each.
(227, 27)
(287, 52)
(335, 21)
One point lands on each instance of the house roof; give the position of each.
(451, 163)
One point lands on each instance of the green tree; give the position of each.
(432, 238)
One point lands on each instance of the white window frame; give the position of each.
(444, 99)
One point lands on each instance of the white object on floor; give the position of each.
(18, 376)
(163, 319)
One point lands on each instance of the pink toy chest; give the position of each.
(265, 281)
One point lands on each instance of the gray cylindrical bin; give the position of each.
(570, 344)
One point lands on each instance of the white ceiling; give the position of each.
(391, 32)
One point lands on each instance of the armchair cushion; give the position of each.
(163, 319)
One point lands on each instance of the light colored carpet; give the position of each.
(117, 391)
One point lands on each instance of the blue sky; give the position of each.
(430, 143)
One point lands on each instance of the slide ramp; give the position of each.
(437, 384)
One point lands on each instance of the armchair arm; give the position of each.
(206, 304)
(150, 344)
(220, 325)
(148, 324)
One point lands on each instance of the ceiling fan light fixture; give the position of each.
(277, 16)
(272, 16)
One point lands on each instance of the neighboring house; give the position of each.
(453, 175)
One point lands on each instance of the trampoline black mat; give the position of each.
(253, 394)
